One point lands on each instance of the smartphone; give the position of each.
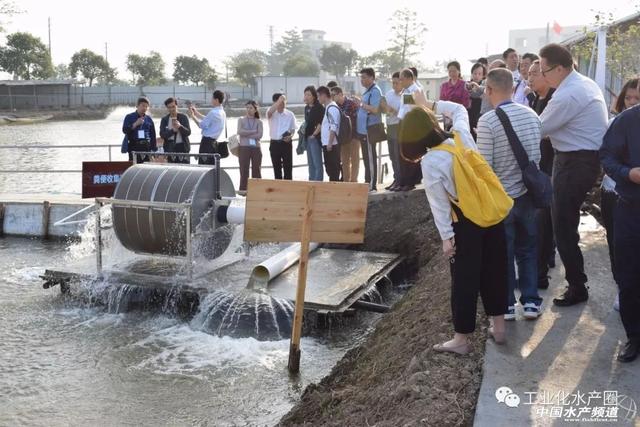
(407, 98)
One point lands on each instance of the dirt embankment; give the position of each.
(395, 378)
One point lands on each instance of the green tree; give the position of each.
(62, 72)
(26, 57)
(146, 70)
(385, 62)
(90, 65)
(289, 46)
(247, 65)
(301, 65)
(191, 69)
(406, 34)
(7, 9)
(337, 60)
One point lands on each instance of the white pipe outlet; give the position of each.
(271, 268)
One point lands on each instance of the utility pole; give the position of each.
(270, 39)
(49, 24)
(106, 52)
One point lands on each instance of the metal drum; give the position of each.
(162, 231)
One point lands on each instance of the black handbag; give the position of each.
(537, 182)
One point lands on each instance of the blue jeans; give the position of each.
(521, 231)
(314, 159)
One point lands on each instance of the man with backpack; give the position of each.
(350, 148)
(329, 133)
(495, 144)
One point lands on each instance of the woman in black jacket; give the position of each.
(175, 130)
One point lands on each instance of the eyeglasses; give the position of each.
(544, 72)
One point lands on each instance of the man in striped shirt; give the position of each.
(520, 225)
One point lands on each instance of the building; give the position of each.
(314, 40)
(35, 94)
(533, 39)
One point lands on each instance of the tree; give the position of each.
(337, 60)
(289, 46)
(7, 9)
(191, 69)
(385, 62)
(146, 70)
(61, 72)
(248, 64)
(90, 65)
(301, 65)
(26, 57)
(406, 34)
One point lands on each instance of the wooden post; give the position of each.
(296, 333)
(46, 213)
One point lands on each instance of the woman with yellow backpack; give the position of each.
(468, 204)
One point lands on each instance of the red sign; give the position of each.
(99, 179)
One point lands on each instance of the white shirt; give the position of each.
(213, 123)
(279, 123)
(437, 169)
(330, 122)
(405, 108)
(519, 96)
(394, 100)
(576, 116)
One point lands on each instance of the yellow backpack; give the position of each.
(481, 196)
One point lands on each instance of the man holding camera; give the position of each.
(175, 130)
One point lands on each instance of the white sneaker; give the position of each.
(511, 313)
(531, 310)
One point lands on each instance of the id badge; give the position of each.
(252, 142)
(141, 134)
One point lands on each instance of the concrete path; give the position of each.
(563, 357)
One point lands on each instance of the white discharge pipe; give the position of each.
(271, 268)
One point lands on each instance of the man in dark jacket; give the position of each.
(140, 131)
(620, 157)
(175, 130)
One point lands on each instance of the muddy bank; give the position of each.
(36, 116)
(394, 378)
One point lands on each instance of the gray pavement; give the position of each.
(563, 357)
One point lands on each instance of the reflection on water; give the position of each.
(64, 364)
(91, 132)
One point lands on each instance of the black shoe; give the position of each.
(390, 187)
(406, 188)
(572, 296)
(543, 283)
(630, 351)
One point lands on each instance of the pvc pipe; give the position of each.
(235, 214)
(271, 268)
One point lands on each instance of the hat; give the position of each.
(416, 125)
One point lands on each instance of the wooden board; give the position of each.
(275, 209)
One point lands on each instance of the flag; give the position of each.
(557, 28)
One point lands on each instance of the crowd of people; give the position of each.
(518, 111)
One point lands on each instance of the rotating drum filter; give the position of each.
(160, 230)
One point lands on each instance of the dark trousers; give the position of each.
(394, 156)
(409, 173)
(479, 266)
(249, 157)
(546, 243)
(207, 146)
(139, 146)
(626, 226)
(608, 202)
(281, 158)
(574, 174)
(370, 160)
(332, 162)
(172, 147)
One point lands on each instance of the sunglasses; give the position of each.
(544, 72)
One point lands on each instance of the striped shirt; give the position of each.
(495, 148)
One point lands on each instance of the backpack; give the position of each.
(481, 196)
(344, 126)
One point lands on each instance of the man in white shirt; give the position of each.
(511, 59)
(282, 125)
(394, 102)
(576, 120)
(212, 126)
(521, 90)
(520, 225)
(329, 133)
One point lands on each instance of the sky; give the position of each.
(216, 30)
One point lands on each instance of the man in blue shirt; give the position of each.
(620, 157)
(140, 131)
(369, 115)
